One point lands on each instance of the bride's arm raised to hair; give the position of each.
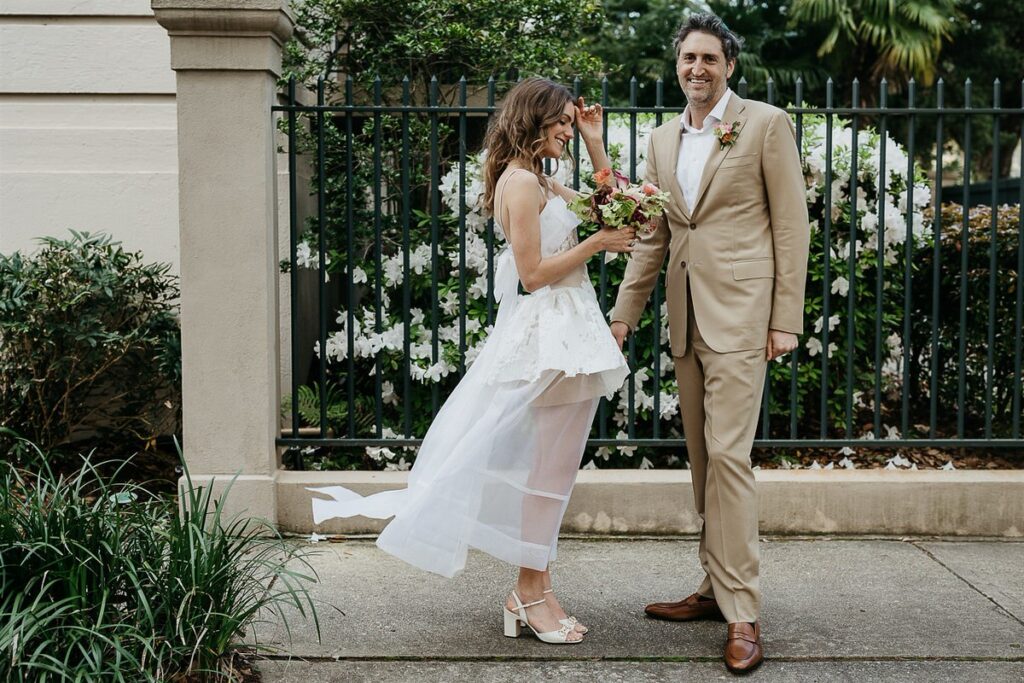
(522, 198)
(590, 124)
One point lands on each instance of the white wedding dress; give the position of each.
(498, 463)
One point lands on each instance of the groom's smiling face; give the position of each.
(702, 69)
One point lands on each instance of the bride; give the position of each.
(498, 463)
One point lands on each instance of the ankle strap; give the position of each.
(520, 605)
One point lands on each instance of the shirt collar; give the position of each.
(716, 115)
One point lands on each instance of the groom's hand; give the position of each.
(779, 344)
(620, 331)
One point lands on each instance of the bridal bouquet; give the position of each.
(616, 203)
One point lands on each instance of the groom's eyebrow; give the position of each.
(692, 55)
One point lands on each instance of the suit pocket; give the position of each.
(753, 268)
(739, 160)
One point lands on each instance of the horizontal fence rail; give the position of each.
(914, 300)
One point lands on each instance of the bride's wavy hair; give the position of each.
(519, 130)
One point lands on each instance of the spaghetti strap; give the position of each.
(499, 193)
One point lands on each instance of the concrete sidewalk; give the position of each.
(834, 609)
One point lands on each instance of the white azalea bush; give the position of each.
(891, 207)
(882, 223)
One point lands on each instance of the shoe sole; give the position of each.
(742, 672)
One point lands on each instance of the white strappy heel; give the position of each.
(571, 622)
(514, 624)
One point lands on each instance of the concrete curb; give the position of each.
(926, 502)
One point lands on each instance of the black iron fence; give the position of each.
(914, 300)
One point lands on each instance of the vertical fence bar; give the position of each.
(602, 410)
(908, 258)
(378, 260)
(293, 247)
(350, 263)
(659, 93)
(883, 92)
(961, 407)
(766, 388)
(851, 309)
(1019, 312)
(321, 215)
(992, 265)
(576, 86)
(826, 283)
(435, 211)
(795, 360)
(631, 341)
(933, 385)
(603, 288)
(741, 87)
(462, 226)
(489, 235)
(406, 274)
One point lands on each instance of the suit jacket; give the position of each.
(744, 243)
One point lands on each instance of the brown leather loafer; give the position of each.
(743, 650)
(694, 607)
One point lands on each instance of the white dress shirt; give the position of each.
(695, 145)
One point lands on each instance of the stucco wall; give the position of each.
(87, 124)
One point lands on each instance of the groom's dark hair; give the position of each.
(713, 25)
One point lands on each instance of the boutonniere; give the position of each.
(727, 133)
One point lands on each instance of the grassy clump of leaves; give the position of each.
(107, 582)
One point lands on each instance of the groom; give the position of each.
(737, 239)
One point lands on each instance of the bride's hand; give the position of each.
(589, 120)
(618, 240)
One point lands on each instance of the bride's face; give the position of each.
(560, 133)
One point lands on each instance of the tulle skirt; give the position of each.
(498, 463)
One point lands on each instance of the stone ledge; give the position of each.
(926, 502)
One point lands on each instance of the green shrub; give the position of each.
(104, 582)
(89, 345)
(975, 334)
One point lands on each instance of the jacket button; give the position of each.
(693, 226)
(682, 263)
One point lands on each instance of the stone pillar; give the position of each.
(227, 57)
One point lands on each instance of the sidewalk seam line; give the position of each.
(972, 586)
(640, 660)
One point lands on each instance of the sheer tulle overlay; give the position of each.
(498, 463)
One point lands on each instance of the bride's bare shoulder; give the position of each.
(521, 186)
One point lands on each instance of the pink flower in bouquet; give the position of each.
(650, 189)
(610, 178)
(604, 177)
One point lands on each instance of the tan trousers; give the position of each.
(719, 398)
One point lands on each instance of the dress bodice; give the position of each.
(557, 235)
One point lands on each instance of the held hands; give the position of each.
(618, 240)
(620, 331)
(779, 344)
(589, 120)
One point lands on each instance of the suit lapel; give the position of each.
(672, 135)
(733, 113)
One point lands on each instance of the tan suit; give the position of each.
(739, 258)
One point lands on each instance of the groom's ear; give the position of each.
(729, 69)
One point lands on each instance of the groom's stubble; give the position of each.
(703, 72)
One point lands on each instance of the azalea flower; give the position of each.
(840, 286)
